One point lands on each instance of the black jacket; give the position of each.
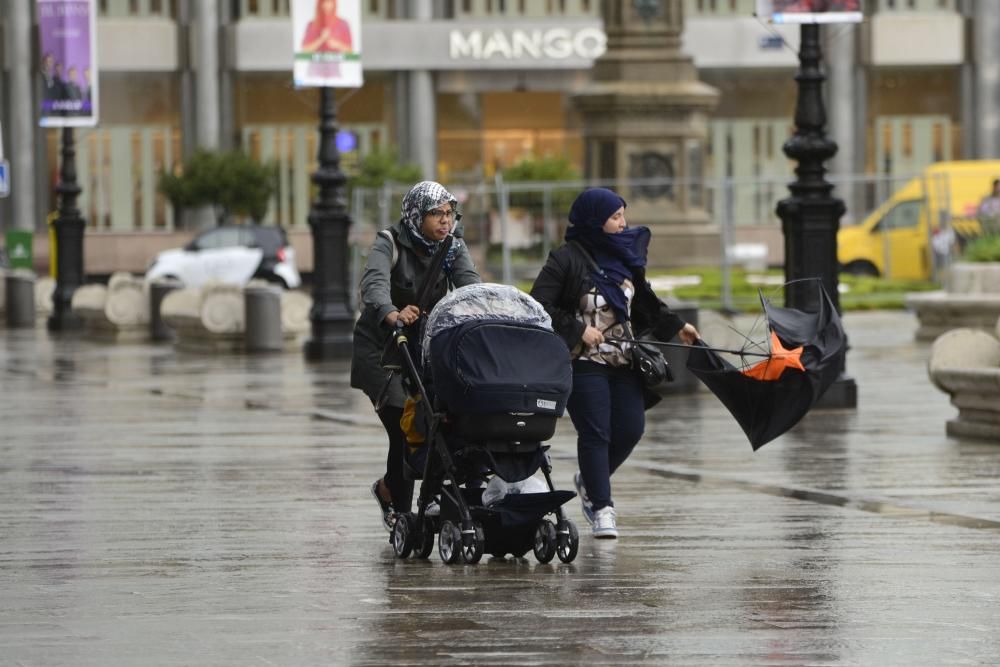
(564, 280)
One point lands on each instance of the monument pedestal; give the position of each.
(645, 117)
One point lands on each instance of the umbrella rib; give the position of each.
(646, 341)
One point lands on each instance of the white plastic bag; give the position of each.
(497, 489)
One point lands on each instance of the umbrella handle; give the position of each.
(646, 341)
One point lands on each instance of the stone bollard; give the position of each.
(262, 318)
(965, 364)
(117, 312)
(159, 330)
(20, 298)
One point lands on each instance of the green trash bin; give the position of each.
(19, 248)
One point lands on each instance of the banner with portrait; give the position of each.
(67, 62)
(327, 43)
(810, 11)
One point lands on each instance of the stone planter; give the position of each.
(971, 300)
(965, 364)
(118, 312)
(212, 318)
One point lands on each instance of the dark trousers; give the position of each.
(607, 410)
(400, 487)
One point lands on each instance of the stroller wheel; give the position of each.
(474, 545)
(423, 541)
(568, 543)
(450, 543)
(402, 535)
(545, 541)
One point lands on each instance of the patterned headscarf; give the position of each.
(422, 198)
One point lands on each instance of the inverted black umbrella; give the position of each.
(772, 395)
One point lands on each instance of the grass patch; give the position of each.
(857, 293)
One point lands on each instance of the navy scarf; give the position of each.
(619, 256)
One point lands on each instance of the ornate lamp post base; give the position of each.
(331, 315)
(69, 242)
(811, 216)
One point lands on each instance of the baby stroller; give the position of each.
(486, 387)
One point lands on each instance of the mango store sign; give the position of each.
(513, 45)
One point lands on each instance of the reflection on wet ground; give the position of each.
(164, 508)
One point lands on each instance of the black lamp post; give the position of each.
(69, 241)
(331, 316)
(811, 216)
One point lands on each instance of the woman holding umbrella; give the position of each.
(594, 287)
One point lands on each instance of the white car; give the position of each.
(231, 254)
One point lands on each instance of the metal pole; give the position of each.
(331, 316)
(811, 216)
(504, 203)
(548, 224)
(726, 237)
(69, 241)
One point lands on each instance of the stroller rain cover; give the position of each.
(491, 349)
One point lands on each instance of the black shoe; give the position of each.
(388, 514)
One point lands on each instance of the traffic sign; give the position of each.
(4, 178)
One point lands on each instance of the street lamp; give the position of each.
(811, 216)
(331, 315)
(69, 228)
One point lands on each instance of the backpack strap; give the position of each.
(395, 248)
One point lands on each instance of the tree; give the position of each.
(381, 166)
(232, 182)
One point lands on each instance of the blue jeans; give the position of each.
(607, 410)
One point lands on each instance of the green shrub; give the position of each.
(381, 166)
(543, 169)
(983, 249)
(232, 182)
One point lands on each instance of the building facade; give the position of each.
(465, 87)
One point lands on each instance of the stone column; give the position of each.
(645, 116)
(421, 107)
(846, 114)
(206, 67)
(986, 56)
(21, 130)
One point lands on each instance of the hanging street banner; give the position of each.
(67, 60)
(810, 11)
(327, 43)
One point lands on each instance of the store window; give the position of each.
(119, 162)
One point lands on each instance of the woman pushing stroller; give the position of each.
(398, 265)
(595, 286)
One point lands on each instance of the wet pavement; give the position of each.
(162, 508)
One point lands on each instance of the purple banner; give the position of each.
(67, 62)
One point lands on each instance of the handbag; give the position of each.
(649, 363)
(647, 360)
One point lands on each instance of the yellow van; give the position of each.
(895, 239)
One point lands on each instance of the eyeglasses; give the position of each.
(437, 214)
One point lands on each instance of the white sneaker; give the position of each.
(581, 490)
(604, 523)
(432, 509)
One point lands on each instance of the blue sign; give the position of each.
(347, 141)
(4, 178)
(774, 42)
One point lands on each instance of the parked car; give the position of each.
(231, 254)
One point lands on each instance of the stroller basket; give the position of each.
(518, 426)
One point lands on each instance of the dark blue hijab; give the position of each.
(619, 256)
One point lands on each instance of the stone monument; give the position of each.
(645, 120)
